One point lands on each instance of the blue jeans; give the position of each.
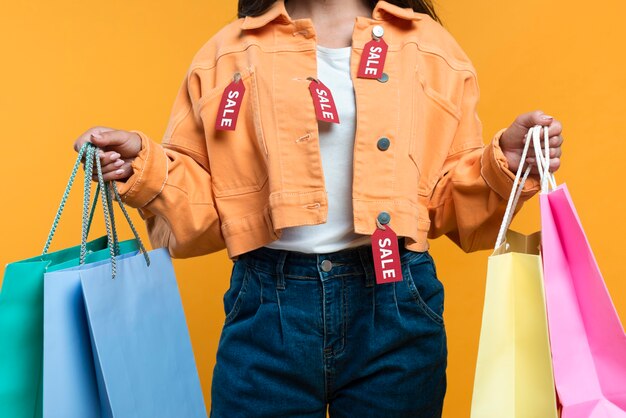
(298, 340)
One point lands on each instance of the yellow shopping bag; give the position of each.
(514, 369)
(514, 377)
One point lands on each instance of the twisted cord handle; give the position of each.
(70, 183)
(542, 158)
(116, 242)
(107, 217)
(110, 191)
(90, 153)
(130, 223)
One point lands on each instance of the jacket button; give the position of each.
(378, 31)
(326, 265)
(383, 144)
(384, 217)
(384, 77)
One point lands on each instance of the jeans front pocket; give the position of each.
(235, 295)
(425, 289)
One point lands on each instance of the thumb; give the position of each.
(109, 138)
(530, 119)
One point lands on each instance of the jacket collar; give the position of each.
(278, 11)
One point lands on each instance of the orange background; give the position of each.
(67, 66)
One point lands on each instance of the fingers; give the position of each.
(530, 119)
(110, 138)
(115, 165)
(86, 136)
(556, 141)
(555, 164)
(514, 138)
(109, 156)
(555, 128)
(555, 151)
(118, 170)
(125, 144)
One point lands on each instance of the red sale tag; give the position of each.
(373, 59)
(325, 109)
(228, 111)
(386, 255)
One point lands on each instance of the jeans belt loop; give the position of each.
(366, 260)
(280, 281)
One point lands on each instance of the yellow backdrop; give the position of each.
(68, 65)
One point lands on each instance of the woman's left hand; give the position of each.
(513, 139)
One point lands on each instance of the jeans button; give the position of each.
(326, 265)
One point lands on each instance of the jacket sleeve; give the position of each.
(470, 197)
(171, 182)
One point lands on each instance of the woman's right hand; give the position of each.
(119, 149)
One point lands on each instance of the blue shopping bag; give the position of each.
(119, 346)
(140, 338)
(70, 388)
(69, 377)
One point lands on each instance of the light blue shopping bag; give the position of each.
(70, 386)
(140, 338)
(69, 378)
(119, 345)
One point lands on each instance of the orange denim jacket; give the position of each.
(203, 190)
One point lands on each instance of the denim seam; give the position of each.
(344, 314)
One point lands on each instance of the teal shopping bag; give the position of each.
(21, 315)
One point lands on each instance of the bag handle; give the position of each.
(109, 192)
(112, 240)
(68, 188)
(106, 192)
(543, 165)
(543, 158)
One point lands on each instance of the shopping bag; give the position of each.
(140, 338)
(141, 346)
(141, 362)
(587, 338)
(69, 377)
(21, 317)
(513, 377)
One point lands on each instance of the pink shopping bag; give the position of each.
(587, 339)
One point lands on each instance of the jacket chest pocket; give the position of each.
(238, 158)
(434, 122)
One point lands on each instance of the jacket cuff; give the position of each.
(150, 169)
(495, 171)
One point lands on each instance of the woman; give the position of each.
(321, 143)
